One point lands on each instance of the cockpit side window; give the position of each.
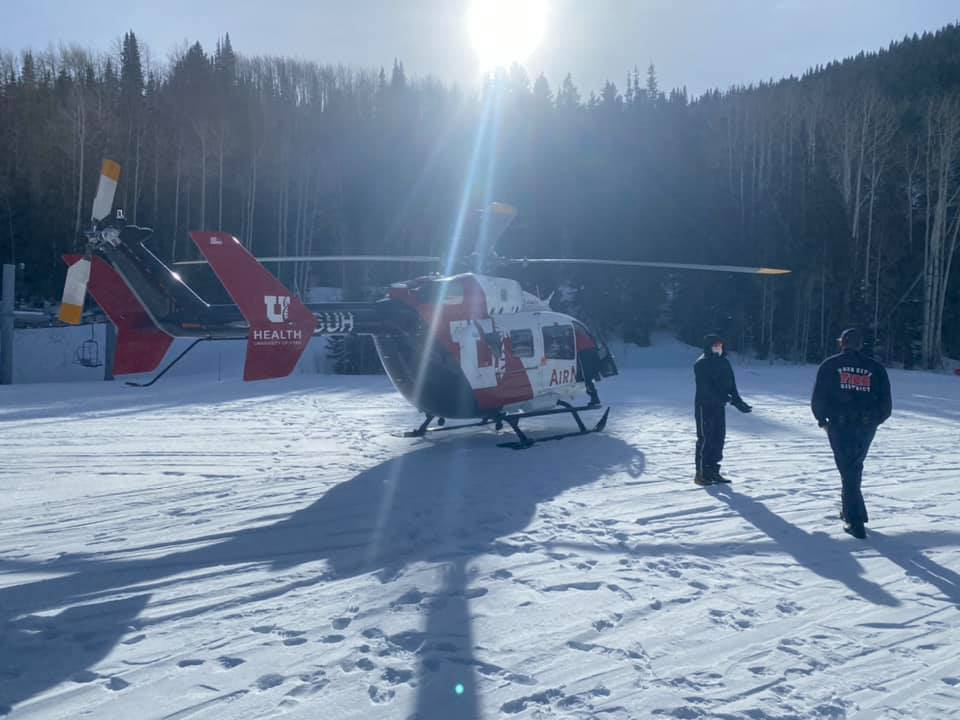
(558, 342)
(521, 343)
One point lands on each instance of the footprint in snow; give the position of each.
(396, 676)
(116, 684)
(788, 607)
(309, 683)
(230, 662)
(736, 620)
(363, 663)
(411, 597)
(605, 624)
(271, 680)
(381, 697)
(546, 697)
(190, 662)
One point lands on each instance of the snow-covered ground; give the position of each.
(205, 549)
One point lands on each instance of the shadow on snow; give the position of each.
(447, 503)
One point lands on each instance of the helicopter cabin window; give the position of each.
(558, 343)
(521, 342)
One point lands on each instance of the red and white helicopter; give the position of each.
(466, 346)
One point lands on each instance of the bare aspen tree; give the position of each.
(942, 219)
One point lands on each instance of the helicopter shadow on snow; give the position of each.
(446, 503)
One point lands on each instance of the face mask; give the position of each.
(717, 349)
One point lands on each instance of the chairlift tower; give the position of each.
(6, 326)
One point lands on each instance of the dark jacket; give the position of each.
(851, 389)
(715, 382)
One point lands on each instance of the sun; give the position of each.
(506, 31)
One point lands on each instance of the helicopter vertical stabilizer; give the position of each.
(280, 325)
(141, 345)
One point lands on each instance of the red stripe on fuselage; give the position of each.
(512, 382)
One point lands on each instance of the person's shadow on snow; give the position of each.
(818, 552)
(447, 503)
(915, 563)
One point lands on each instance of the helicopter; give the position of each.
(468, 346)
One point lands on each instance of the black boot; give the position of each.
(592, 392)
(714, 476)
(855, 529)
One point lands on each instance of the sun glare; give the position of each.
(506, 31)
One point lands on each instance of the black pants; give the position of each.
(711, 433)
(850, 444)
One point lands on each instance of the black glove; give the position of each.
(740, 405)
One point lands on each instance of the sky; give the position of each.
(699, 44)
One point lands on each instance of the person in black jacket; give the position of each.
(716, 387)
(851, 398)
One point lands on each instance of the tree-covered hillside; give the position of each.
(849, 175)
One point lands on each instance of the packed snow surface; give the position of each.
(205, 549)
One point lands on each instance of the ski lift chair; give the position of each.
(88, 353)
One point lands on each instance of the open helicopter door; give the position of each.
(593, 355)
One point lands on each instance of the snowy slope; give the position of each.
(221, 550)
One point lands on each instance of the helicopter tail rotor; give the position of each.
(78, 276)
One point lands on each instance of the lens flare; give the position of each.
(506, 31)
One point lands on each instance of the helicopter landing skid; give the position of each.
(443, 427)
(523, 441)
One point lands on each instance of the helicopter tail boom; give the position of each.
(141, 345)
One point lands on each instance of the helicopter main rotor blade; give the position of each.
(639, 263)
(335, 258)
(106, 189)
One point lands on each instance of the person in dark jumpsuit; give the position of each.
(851, 398)
(716, 386)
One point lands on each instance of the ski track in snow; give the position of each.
(220, 550)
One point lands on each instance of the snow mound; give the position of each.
(665, 351)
